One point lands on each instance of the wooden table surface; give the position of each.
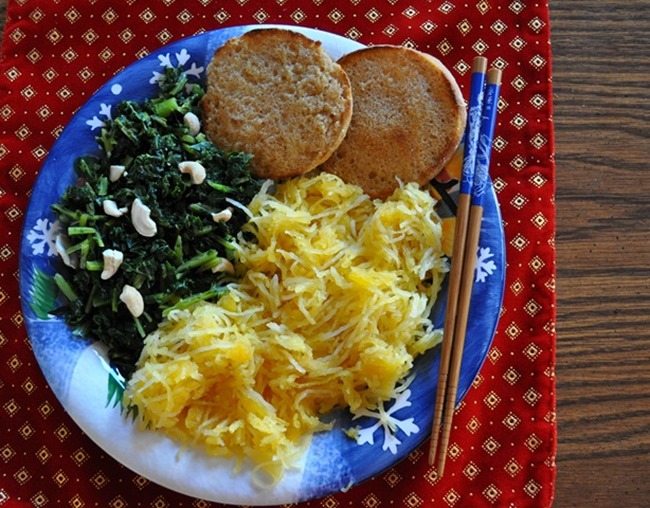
(602, 120)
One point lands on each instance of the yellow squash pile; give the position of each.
(332, 307)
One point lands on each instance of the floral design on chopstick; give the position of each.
(42, 237)
(387, 420)
(182, 57)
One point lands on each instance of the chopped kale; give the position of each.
(172, 269)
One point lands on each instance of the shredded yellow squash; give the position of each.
(332, 307)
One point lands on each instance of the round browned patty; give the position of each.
(278, 95)
(409, 117)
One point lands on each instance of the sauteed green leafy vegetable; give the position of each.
(144, 144)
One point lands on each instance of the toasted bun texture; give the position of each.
(409, 117)
(278, 95)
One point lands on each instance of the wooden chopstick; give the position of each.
(472, 130)
(463, 296)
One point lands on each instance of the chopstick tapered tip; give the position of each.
(432, 452)
(440, 467)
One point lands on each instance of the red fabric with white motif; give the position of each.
(502, 447)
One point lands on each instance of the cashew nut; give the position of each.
(224, 266)
(192, 123)
(110, 208)
(223, 216)
(141, 219)
(61, 245)
(133, 300)
(115, 172)
(112, 261)
(195, 170)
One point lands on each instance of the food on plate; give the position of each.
(279, 96)
(408, 119)
(137, 229)
(331, 309)
(241, 312)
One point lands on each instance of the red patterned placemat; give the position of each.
(502, 453)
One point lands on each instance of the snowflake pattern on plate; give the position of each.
(485, 266)
(182, 57)
(43, 234)
(95, 122)
(387, 420)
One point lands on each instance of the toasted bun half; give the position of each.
(408, 119)
(278, 95)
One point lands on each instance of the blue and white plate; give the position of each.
(80, 376)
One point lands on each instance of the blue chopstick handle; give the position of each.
(472, 131)
(488, 122)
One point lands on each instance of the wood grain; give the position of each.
(602, 120)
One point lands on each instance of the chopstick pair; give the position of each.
(481, 120)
